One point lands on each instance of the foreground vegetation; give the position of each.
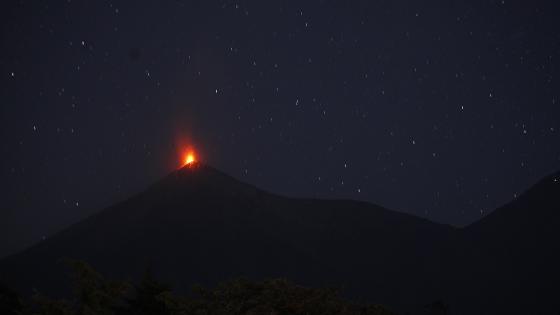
(93, 294)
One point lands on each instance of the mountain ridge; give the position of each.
(200, 225)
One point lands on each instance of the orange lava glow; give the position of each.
(189, 158)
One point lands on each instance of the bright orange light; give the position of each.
(189, 159)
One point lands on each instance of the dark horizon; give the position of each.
(200, 226)
(205, 165)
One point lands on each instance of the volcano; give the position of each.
(200, 226)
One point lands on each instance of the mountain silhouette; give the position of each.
(200, 226)
(512, 256)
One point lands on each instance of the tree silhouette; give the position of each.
(438, 307)
(95, 295)
(10, 303)
(147, 299)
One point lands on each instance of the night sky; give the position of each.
(441, 109)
